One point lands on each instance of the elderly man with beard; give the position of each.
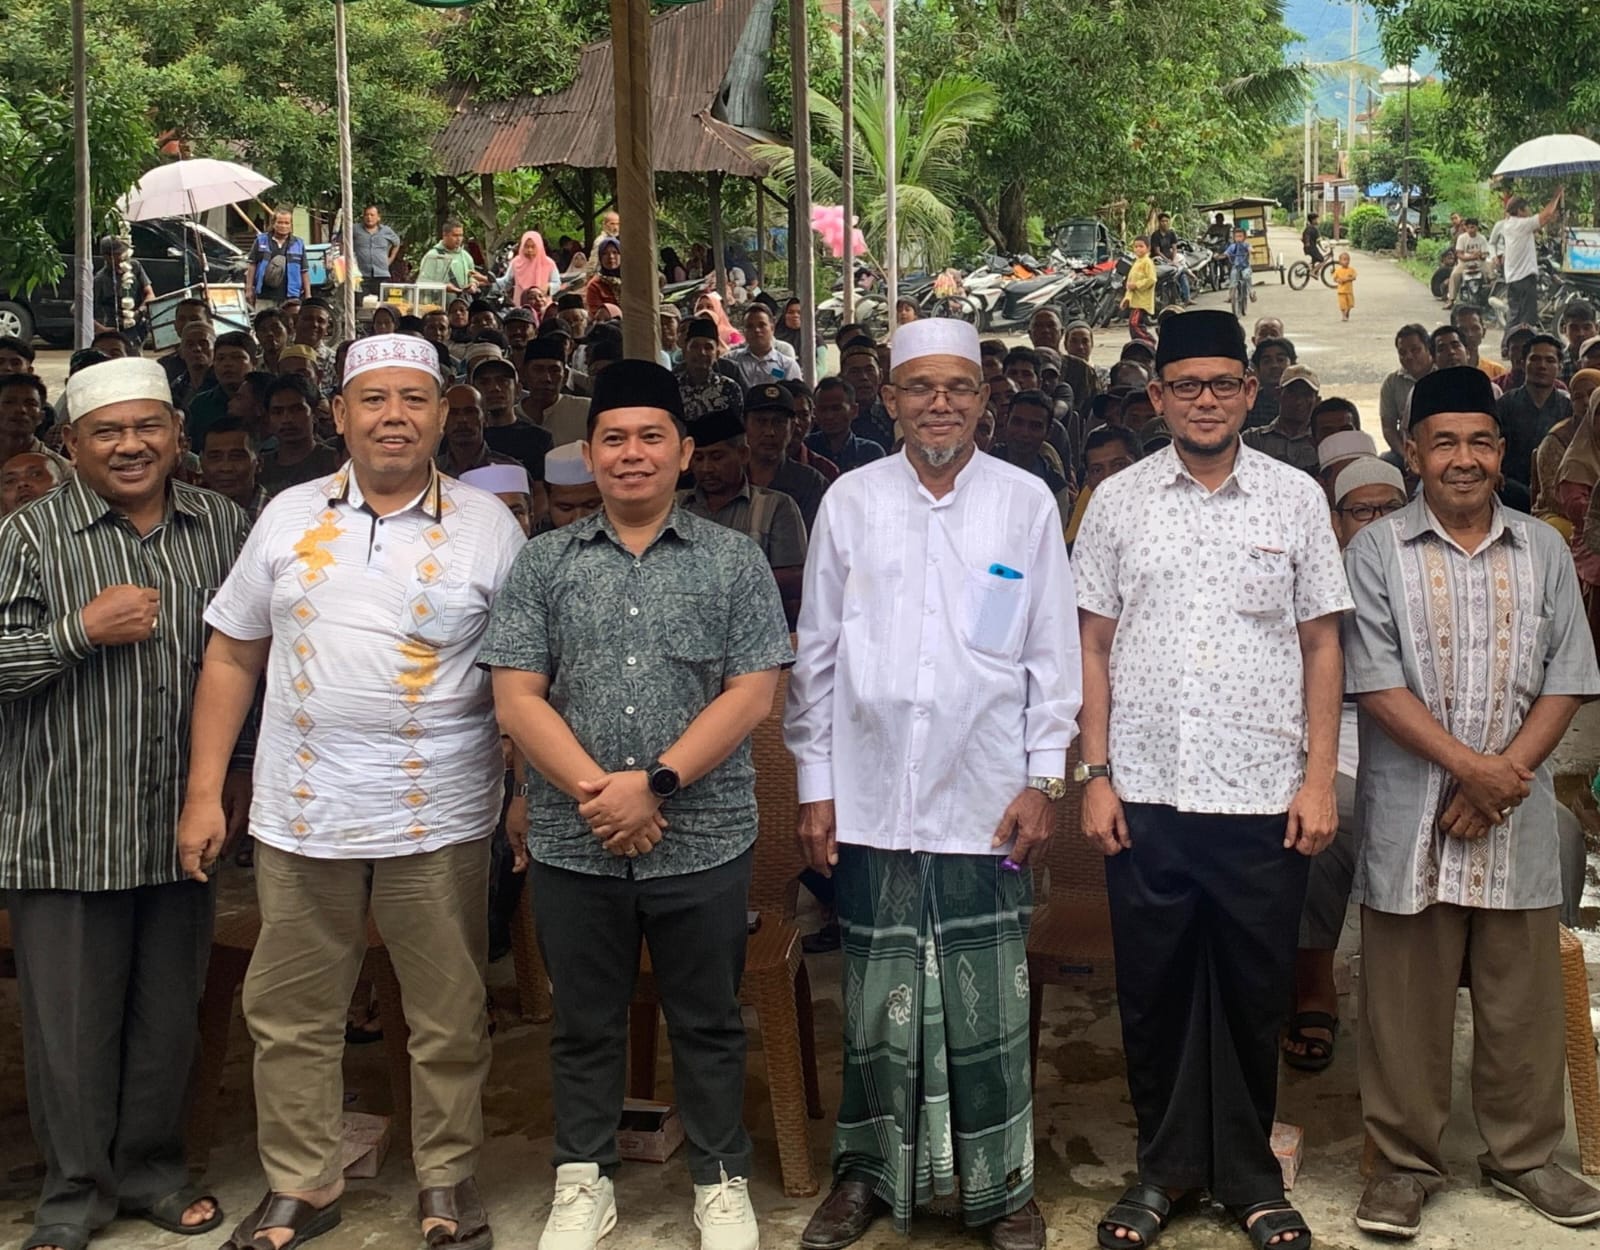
(1468, 655)
(378, 784)
(102, 585)
(929, 713)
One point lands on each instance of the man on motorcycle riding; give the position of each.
(1472, 249)
(1164, 246)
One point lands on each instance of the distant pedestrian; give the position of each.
(1344, 282)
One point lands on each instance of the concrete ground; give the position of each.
(1084, 1125)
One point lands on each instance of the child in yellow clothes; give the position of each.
(1344, 282)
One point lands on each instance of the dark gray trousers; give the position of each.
(110, 984)
(589, 929)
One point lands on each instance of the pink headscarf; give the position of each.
(725, 331)
(530, 271)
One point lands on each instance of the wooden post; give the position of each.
(636, 196)
(761, 233)
(891, 167)
(802, 248)
(83, 245)
(714, 185)
(347, 215)
(586, 199)
(847, 158)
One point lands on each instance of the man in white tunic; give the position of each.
(929, 712)
(364, 597)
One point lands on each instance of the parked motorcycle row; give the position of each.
(1483, 288)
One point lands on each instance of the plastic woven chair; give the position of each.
(775, 981)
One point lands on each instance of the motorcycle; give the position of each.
(1011, 305)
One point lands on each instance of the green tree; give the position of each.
(520, 47)
(930, 143)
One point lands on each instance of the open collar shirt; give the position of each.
(775, 366)
(96, 738)
(1208, 589)
(938, 664)
(1477, 637)
(378, 735)
(636, 647)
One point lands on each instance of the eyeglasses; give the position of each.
(1365, 512)
(1189, 388)
(959, 394)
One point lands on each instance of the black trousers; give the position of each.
(1523, 298)
(589, 929)
(1205, 915)
(110, 984)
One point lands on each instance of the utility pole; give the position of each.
(847, 171)
(1405, 174)
(891, 166)
(1305, 164)
(1350, 89)
(83, 246)
(347, 217)
(802, 248)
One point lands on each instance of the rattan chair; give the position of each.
(775, 981)
(1069, 941)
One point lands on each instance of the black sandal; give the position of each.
(66, 1236)
(1319, 1050)
(460, 1204)
(1275, 1218)
(1143, 1209)
(303, 1221)
(167, 1213)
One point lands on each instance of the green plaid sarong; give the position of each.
(937, 1096)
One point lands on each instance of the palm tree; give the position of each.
(929, 143)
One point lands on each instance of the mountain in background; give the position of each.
(1324, 30)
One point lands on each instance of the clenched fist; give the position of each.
(119, 615)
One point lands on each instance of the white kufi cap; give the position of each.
(1367, 471)
(114, 382)
(383, 351)
(1345, 445)
(564, 466)
(499, 479)
(934, 336)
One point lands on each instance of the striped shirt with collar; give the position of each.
(97, 738)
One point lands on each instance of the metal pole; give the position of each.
(891, 168)
(636, 192)
(847, 158)
(347, 243)
(1405, 175)
(83, 246)
(1350, 119)
(802, 249)
(1305, 164)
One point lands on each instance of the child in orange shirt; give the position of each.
(1344, 282)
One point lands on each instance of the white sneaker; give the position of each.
(584, 1210)
(724, 1216)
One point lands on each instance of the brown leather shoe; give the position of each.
(1021, 1230)
(844, 1216)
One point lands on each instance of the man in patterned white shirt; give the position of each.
(1209, 594)
(377, 784)
(938, 648)
(1469, 655)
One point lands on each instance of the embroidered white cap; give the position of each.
(115, 382)
(564, 466)
(1366, 471)
(383, 351)
(934, 336)
(499, 479)
(1345, 445)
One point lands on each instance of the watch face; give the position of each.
(664, 782)
(1081, 772)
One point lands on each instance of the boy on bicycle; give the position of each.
(1309, 240)
(1238, 254)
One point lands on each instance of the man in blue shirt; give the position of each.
(375, 246)
(833, 437)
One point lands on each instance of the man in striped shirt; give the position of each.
(102, 586)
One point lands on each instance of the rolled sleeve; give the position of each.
(1051, 654)
(1570, 667)
(788, 536)
(758, 633)
(1373, 659)
(518, 635)
(1094, 561)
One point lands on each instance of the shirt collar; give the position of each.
(699, 496)
(1416, 520)
(1246, 475)
(84, 507)
(679, 524)
(972, 469)
(342, 487)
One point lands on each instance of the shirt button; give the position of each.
(628, 710)
(629, 760)
(631, 660)
(633, 611)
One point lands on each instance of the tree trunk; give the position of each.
(1014, 216)
(986, 219)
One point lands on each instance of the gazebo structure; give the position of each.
(708, 63)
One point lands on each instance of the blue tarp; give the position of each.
(1390, 191)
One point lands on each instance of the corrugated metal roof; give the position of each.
(694, 75)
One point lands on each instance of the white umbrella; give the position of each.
(1551, 156)
(187, 188)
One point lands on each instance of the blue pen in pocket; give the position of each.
(1000, 570)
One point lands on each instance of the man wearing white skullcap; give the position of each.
(102, 585)
(938, 647)
(571, 486)
(378, 783)
(508, 481)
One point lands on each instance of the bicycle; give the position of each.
(1239, 292)
(1302, 271)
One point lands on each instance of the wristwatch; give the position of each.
(1053, 788)
(1088, 772)
(663, 779)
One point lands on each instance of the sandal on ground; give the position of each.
(1142, 1209)
(1275, 1218)
(67, 1236)
(167, 1213)
(460, 1204)
(1319, 1050)
(303, 1221)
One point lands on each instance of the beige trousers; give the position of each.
(432, 911)
(1410, 970)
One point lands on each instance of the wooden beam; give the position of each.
(635, 175)
(802, 250)
(761, 234)
(714, 189)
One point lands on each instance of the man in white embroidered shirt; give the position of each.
(377, 784)
(1469, 656)
(1209, 594)
(938, 649)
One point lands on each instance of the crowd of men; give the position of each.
(319, 594)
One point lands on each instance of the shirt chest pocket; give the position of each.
(1265, 588)
(993, 614)
(436, 612)
(693, 631)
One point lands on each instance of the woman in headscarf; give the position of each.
(788, 330)
(606, 285)
(460, 314)
(709, 304)
(384, 320)
(1548, 456)
(530, 269)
